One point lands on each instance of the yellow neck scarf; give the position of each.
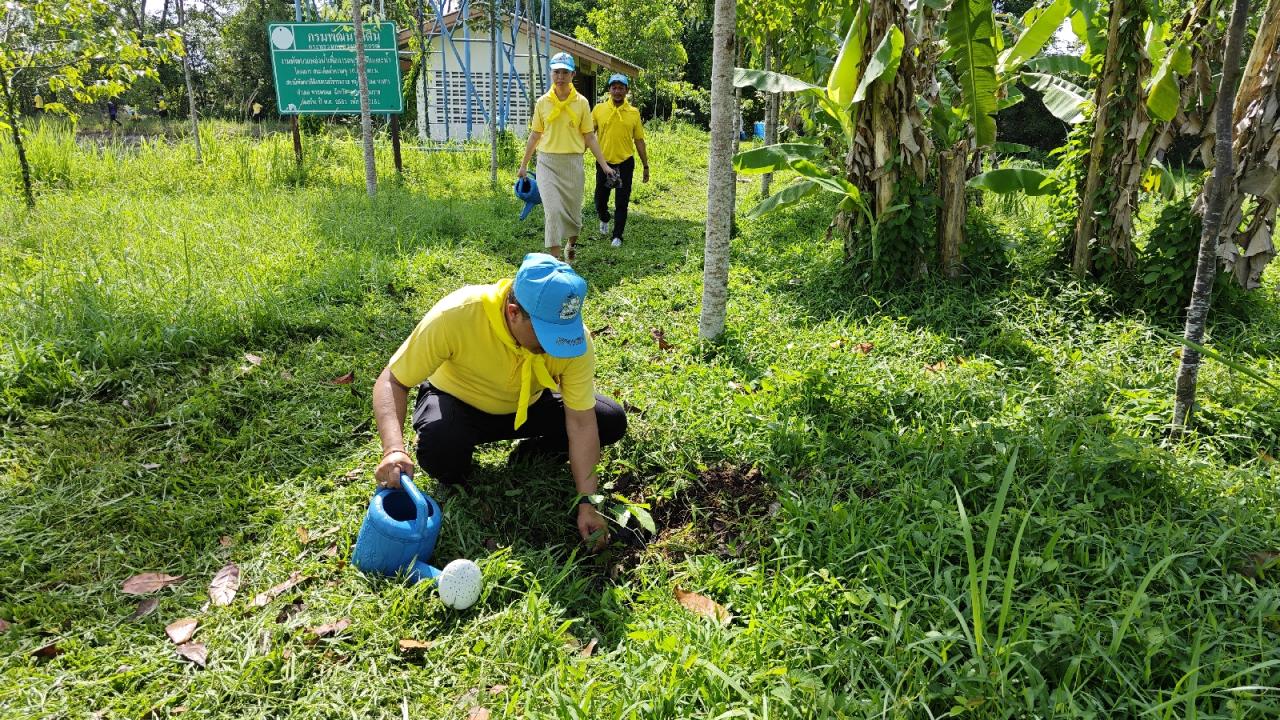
(616, 114)
(558, 105)
(531, 364)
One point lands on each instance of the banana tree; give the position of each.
(869, 136)
(977, 78)
(1256, 148)
(1147, 91)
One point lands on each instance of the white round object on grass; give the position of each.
(460, 584)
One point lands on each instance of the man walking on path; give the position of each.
(499, 362)
(621, 138)
(112, 110)
(561, 128)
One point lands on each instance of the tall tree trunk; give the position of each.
(720, 175)
(11, 117)
(1117, 103)
(493, 95)
(1257, 151)
(164, 16)
(142, 18)
(191, 88)
(366, 119)
(424, 128)
(952, 163)
(770, 116)
(1206, 265)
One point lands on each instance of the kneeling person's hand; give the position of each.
(388, 471)
(592, 527)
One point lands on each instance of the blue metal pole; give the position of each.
(466, 70)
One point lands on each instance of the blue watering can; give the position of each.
(527, 190)
(399, 533)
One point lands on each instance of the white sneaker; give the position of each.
(617, 242)
(604, 228)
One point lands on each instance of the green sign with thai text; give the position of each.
(315, 68)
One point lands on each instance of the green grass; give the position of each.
(896, 562)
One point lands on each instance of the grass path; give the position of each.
(834, 473)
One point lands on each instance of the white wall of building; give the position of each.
(446, 80)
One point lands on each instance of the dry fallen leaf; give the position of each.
(180, 709)
(149, 582)
(344, 379)
(48, 651)
(703, 605)
(497, 689)
(195, 652)
(331, 551)
(225, 541)
(326, 533)
(354, 474)
(5, 625)
(588, 649)
(478, 713)
(150, 466)
(1266, 456)
(409, 646)
(145, 608)
(303, 535)
(262, 599)
(288, 611)
(661, 337)
(836, 344)
(223, 588)
(331, 628)
(286, 375)
(864, 348)
(253, 358)
(181, 630)
(936, 367)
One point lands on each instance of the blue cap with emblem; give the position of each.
(618, 78)
(552, 293)
(562, 61)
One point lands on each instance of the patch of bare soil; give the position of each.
(711, 514)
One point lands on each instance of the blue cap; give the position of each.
(526, 189)
(552, 293)
(618, 77)
(562, 61)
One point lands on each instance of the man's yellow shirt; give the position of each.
(457, 345)
(618, 128)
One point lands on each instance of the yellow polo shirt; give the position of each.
(464, 347)
(619, 127)
(563, 133)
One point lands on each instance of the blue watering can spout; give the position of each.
(399, 533)
(526, 189)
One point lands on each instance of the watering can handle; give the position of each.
(419, 502)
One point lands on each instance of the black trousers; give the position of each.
(627, 169)
(449, 430)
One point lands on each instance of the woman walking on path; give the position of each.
(560, 130)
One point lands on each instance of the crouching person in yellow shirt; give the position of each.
(500, 362)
